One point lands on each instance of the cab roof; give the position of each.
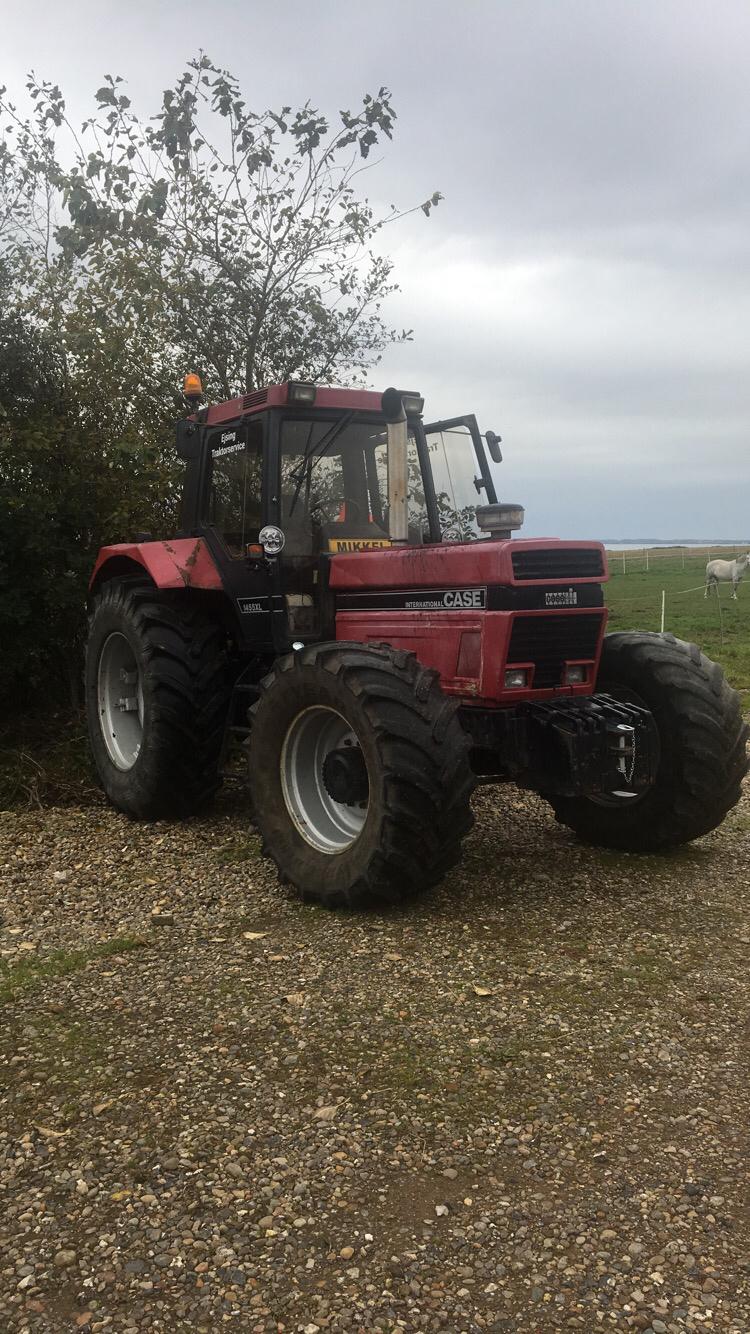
(276, 396)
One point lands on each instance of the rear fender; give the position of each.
(185, 562)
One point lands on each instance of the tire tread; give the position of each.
(427, 778)
(187, 679)
(707, 736)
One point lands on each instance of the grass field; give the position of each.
(721, 627)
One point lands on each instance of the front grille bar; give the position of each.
(557, 563)
(549, 641)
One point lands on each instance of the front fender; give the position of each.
(185, 562)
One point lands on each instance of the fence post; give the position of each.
(623, 561)
(663, 603)
(646, 560)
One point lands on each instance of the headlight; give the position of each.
(575, 674)
(516, 678)
(413, 404)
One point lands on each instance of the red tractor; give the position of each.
(345, 597)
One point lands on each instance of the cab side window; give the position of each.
(235, 496)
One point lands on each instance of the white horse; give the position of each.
(724, 572)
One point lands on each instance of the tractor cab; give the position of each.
(283, 479)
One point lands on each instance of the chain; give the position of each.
(629, 776)
(628, 773)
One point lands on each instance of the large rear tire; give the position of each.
(700, 742)
(359, 773)
(157, 694)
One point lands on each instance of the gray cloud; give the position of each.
(584, 287)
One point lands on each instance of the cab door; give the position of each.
(235, 503)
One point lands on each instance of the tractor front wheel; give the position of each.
(359, 774)
(156, 700)
(699, 738)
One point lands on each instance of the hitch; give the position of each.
(591, 746)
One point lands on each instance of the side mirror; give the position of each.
(493, 445)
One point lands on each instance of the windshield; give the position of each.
(334, 484)
(455, 474)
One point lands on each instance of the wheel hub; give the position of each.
(345, 775)
(324, 779)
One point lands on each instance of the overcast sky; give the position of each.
(584, 286)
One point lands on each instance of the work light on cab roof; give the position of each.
(301, 391)
(345, 598)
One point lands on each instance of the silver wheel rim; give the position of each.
(120, 701)
(327, 825)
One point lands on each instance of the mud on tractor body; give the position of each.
(345, 598)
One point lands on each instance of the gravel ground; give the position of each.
(522, 1104)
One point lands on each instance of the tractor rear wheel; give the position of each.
(700, 740)
(157, 695)
(359, 774)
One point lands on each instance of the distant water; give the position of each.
(622, 543)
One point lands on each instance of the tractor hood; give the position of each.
(472, 565)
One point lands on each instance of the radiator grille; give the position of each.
(567, 563)
(550, 641)
(255, 399)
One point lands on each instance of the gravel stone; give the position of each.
(184, 1147)
(65, 1258)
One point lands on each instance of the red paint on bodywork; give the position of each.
(184, 562)
(436, 638)
(447, 640)
(449, 565)
(275, 396)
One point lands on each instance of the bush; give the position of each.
(66, 485)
